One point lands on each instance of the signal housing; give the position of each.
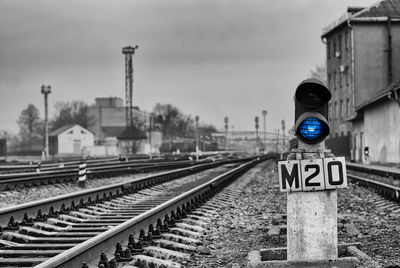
(311, 102)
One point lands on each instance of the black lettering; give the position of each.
(330, 178)
(294, 176)
(316, 172)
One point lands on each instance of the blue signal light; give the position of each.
(312, 129)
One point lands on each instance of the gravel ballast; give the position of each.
(23, 195)
(243, 226)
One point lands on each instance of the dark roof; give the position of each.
(60, 130)
(381, 94)
(132, 133)
(112, 131)
(382, 9)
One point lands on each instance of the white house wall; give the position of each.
(66, 140)
(382, 131)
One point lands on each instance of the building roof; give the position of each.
(384, 8)
(113, 131)
(62, 129)
(132, 133)
(385, 92)
(381, 10)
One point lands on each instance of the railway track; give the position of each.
(69, 230)
(389, 191)
(70, 173)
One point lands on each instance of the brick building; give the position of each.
(361, 61)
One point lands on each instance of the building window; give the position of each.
(328, 49)
(347, 76)
(330, 110)
(336, 110)
(329, 81)
(334, 80)
(340, 44)
(341, 109)
(355, 142)
(346, 40)
(348, 106)
(340, 79)
(334, 48)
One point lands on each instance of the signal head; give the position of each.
(311, 111)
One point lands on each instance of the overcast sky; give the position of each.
(211, 58)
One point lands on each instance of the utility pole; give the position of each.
(128, 52)
(151, 119)
(197, 137)
(256, 121)
(283, 134)
(277, 140)
(264, 113)
(5, 144)
(226, 120)
(46, 90)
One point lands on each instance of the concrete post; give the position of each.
(46, 90)
(197, 137)
(311, 218)
(82, 174)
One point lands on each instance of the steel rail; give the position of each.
(382, 171)
(64, 166)
(91, 249)
(75, 199)
(389, 191)
(32, 178)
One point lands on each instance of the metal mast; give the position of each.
(128, 52)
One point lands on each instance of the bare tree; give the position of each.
(30, 125)
(170, 119)
(319, 72)
(74, 112)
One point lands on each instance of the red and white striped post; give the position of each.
(82, 173)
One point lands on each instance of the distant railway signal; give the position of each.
(256, 120)
(226, 121)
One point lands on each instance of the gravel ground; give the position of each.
(22, 195)
(242, 227)
(25, 194)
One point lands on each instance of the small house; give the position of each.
(70, 139)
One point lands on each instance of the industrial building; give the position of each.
(363, 60)
(107, 119)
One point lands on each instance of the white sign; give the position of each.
(312, 174)
(335, 173)
(290, 172)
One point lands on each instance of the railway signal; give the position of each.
(197, 118)
(256, 120)
(310, 176)
(311, 111)
(226, 121)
